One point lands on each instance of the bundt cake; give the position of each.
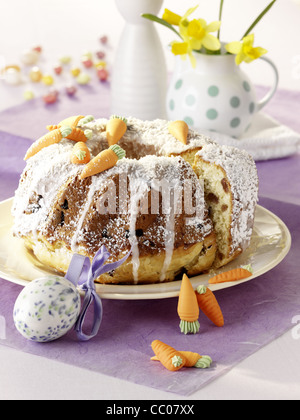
(177, 205)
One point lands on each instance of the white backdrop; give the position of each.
(74, 26)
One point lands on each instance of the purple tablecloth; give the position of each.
(255, 313)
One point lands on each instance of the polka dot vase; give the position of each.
(216, 95)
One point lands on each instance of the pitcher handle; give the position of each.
(270, 94)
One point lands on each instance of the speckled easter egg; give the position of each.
(46, 309)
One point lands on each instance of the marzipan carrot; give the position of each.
(193, 359)
(86, 120)
(115, 129)
(209, 305)
(231, 275)
(170, 358)
(71, 121)
(53, 137)
(80, 154)
(180, 130)
(188, 309)
(104, 160)
(77, 135)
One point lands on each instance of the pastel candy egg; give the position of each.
(75, 71)
(46, 309)
(12, 76)
(83, 79)
(102, 74)
(50, 98)
(35, 75)
(30, 57)
(47, 79)
(71, 90)
(28, 95)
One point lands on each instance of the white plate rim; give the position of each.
(171, 289)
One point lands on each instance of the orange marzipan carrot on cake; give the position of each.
(104, 160)
(179, 129)
(116, 127)
(48, 139)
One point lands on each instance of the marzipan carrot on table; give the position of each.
(115, 129)
(193, 360)
(80, 154)
(231, 275)
(187, 308)
(53, 137)
(180, 130)
(209, 305)
(104, 160)
(170, 358)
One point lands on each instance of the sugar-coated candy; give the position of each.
(58, 70)
(103, 39)
(83, 79)
(47, 79)
(66, 59)
(100, 64)
(75, 71)
(71, 90)
(35, 74)
(100, 55)
(38, 49)
(30, 57)
(12, 76)
(28, 95)
(102, 74)
(50, 98)
(88, 63)
(88, 55)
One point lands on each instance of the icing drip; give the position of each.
(170, 212)
(169, 243)
(137, 192)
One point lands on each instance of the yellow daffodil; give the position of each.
(194, 34)
(183, 49)
(174, 19)
(199, 34)
(244, 50)
(171, 18)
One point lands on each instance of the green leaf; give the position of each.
(259, 18)
(220, 16)
(161, 21)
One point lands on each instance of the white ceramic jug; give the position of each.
(216, 95)
(139, 76)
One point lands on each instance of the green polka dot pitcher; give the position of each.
(216, 95)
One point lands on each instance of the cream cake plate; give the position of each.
(270, 243)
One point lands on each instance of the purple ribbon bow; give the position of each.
(82, 273)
